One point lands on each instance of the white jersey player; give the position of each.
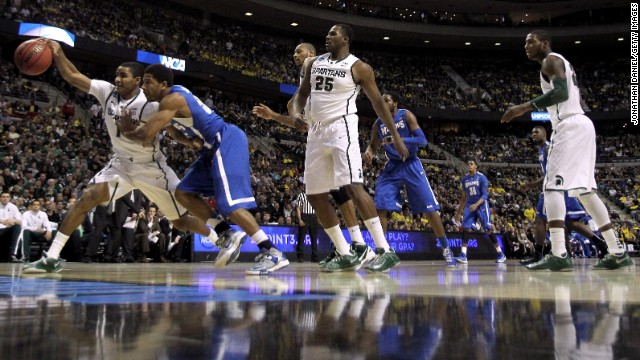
(572, 156)
(331, 84)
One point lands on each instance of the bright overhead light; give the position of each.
(498, 44)
(248, 14)
(385, 38)
(467, 43)
(578, 42)
(294, 24)
(427, 41)
(620, 39)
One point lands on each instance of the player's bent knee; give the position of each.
(93, 197)
(181, 223)
(183, 196)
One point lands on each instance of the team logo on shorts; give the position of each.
(559, 180)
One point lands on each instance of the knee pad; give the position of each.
(340, 196)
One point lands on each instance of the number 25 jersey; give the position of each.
(333, 89)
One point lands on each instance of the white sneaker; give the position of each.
(229, 244)
(268, 262)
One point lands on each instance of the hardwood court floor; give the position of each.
(420, 310)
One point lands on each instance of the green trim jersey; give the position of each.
(572, 105)
(333, 89)
(141, 112)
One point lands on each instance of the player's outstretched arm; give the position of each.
(67, 70)
(363, 73)
(265, 112)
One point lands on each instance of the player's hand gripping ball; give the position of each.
(33, 57)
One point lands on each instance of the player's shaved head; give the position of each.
(309, 47)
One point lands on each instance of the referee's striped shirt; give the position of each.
(304, 204)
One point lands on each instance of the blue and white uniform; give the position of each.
(222, 168)
(575, 211)
(477, 187)
(397, 173)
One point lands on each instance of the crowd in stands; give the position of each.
(419, 79)
(392, 12)
(511, 148)
(622, 185)
(501, 83)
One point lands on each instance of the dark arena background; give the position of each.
(457, 65)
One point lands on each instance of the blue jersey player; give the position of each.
(574, 211)
(409, 173)
(222, 168)
(474, 208)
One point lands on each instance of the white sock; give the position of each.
(613, 243)
(375, 229)
(558, 246)
(356, 235)
(56, 245)
(335, 233)
(464, 250)
(598, 211)
(213, 236)
(259, 237)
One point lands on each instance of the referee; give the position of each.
(308, 222)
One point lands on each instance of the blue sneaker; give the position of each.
(448, 258)
(501, 258)
(462, 258)
(229, 244)
(268, 261)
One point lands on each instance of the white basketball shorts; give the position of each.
(333, 156)
(156, 180)
(572, 157)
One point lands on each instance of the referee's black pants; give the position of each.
(311, 227)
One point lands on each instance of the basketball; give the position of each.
(32, 57)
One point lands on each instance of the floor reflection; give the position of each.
(362, 317)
